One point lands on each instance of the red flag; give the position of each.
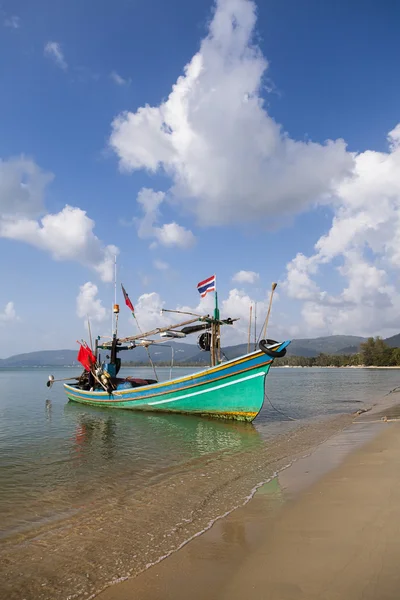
(86, 357)
(127, 300)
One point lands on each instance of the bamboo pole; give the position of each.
(273, 288)
(255, 325)
(181, 312)
(218, 343)
(90, 334)
(249, 336)
(212, 353)
(132, 338)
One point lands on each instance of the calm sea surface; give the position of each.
(58, 459)
(55, 454)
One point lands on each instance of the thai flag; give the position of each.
(208, 285)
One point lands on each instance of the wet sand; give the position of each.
(327, 527)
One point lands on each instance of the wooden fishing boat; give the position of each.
(230, 389)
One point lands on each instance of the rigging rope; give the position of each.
(277, 409)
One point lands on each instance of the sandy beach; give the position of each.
(327, 527)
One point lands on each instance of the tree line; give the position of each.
(372, 353)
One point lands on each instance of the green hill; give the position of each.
(190, 353)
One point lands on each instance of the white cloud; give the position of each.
(169, 234)
(9, 313)
(236, 305)
(53, 51)
(172, 234)
(246, 277)
(229, 161)
(13, 22)
(148, 311)
(150, 201)
(161, 265)
(88, 305)
(66, 235)
(118, 79)
(362, 244)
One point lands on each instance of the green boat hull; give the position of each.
(233, 390)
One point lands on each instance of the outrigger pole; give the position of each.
(139, 336)
(249, 334)
(273, 288)
(180, 312)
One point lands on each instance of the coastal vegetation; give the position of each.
(374, 352)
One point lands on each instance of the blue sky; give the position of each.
(238, 158)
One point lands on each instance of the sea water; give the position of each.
(70, 472)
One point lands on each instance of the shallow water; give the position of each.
(65, 468)
(55, 455)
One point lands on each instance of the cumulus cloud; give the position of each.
(169, 234)
(66, 235)
(9, 313)
(228, 159)
(172, 234)
(88, 305)
(118, 79)
(236, 305)
(362, 244)
(230, 162)
(52, 50)
(246, 277)
(148, 312)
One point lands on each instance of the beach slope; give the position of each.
(338, 539)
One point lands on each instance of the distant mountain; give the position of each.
(394, 341)
(43, 358)
(296, 349)
(66, 358)
(190, 353)
(349, 350)
(331, 344)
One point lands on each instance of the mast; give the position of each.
(115, 305)
(115, 282)
(115, 363)
(216, 333)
